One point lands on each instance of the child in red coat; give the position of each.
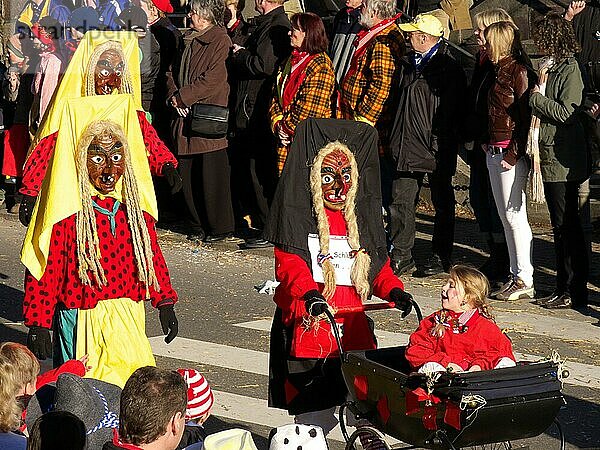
(462, 336)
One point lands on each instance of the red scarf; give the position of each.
(292, 76)
(117, 441)
(363, 39)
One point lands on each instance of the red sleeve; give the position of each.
(492, 345)
(294, 275)
(41, 295)
(73, 366)
(166, 295)
(385, 281)
(157, 151)
(423, 347)
(36, 166)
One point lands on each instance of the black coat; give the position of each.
(169, 40)
(255, 67)
(476, 122)
(426, 131)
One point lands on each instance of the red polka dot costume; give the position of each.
(37, 162)
(60, 283)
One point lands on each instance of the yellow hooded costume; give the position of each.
(113, 332)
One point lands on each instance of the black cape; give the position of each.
(291, 218)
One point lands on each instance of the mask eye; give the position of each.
(116, 157)
(118, 72)
(326, 179)
(97, 159)
(104, 73)
(347, 177)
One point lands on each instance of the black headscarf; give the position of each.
(291, 218)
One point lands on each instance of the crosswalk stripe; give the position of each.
(585, 375)
(255, 411)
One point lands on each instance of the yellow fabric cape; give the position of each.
(59, 195)
(72, 84)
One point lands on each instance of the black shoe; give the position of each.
(562, 302)
(197, 236)
(211, 238)
(402, 267)
(257, 243)
(434, 266)
(549, 298)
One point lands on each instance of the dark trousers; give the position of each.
(480, 194)
(400, 201)
(572, 263)
(254, 175)
(207, 192)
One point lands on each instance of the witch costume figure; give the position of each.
(91, 249)
(105, 63)
(330, 252)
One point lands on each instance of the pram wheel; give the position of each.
(495, 446)
(369, 438)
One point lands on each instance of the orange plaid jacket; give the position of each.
(313, 99)
(370, 94)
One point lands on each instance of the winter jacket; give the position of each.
(149, 68)
(509, 113)
(169, 41)
(208, 85)
(346, 25)
(476, 122)
(426, 131)
(255, 67)
(563, 150)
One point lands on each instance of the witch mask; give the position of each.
(108, 73)
(105, 162)
(336, 179)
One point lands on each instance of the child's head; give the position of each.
(467, 288)
(199, 395)
(26, 365)
(57, 430)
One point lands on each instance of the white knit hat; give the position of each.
(291, 437)
(199, 395)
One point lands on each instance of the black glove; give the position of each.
(39, 342)
(168, 321)
(315, 303)
(173, 178)
(403, 301)
(26, 209)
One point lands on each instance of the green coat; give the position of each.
(563, 149)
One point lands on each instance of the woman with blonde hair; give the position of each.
(507, 163)
(480, 193)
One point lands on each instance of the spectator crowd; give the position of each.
(226, 96)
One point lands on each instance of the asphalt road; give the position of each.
(224, 327)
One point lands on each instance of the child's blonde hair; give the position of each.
(475, 285)
(18, 368)
(26, 364)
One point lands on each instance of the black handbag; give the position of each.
(209, 121)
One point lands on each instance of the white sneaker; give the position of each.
(517, 291)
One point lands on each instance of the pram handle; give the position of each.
(360, 308)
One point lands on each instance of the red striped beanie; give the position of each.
(199, 395)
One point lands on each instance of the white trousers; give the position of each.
(508, 187)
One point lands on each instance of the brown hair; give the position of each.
(150, 399)
(475, 285)
(554, 36)
(315, 40)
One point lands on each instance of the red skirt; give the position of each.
(16, 143)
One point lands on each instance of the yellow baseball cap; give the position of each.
(425, 23)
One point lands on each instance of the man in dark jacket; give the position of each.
(253, 155)
(346, 26)
(425, 140)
